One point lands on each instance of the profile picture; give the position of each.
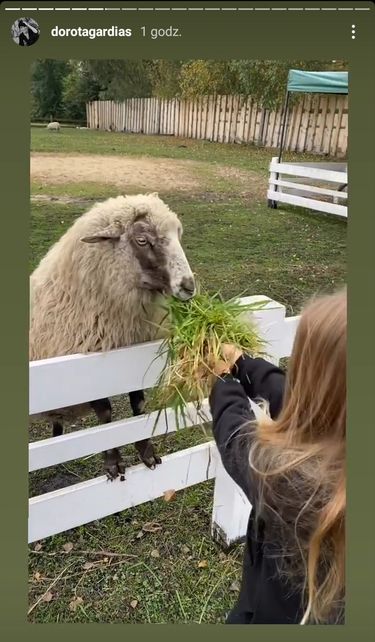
(25, 32)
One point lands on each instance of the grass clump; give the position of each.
(197, 331)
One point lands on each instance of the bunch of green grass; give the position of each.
(197, 329)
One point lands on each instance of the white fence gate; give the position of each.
(62, 381)
(322, 187)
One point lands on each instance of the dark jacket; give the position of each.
(265, 598)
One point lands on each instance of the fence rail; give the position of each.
(62, 381)
(301, 187)
(318, 123)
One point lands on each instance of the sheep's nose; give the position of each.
(188, 285)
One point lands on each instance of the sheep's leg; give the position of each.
(147, 453)
(57, 429)
(113, 462)
(144, 447)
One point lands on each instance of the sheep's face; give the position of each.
(163, 266)
(154, 250)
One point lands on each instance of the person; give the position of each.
(290, 463)
(25, 32)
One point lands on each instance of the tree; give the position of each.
(61, 89)
(79, 87)
(200, 77)
(164, 76)
(47, 87)
(120, 79)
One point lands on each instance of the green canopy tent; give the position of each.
(307, 193)
(319, 82)
(312, 82)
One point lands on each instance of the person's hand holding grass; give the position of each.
(230, 355)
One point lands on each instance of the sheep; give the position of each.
(100, 287)
(54, 126)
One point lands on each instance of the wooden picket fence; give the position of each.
(317, 123)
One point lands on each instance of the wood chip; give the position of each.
(134, 604)
(88, 565)
(68, 547)
(74, 604)
(151, 527)
(203, 564)
(47, 597)
(155, 553)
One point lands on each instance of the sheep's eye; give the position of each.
(141, 240)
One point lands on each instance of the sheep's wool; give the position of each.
(82, 297)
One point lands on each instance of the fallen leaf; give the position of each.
(235, 586)
(88, 565)
(68, 547)
(185, 550)
(155, 553)
(169, 495)
(134, 604)
(203, 564)
(38, 547)
(47, 597)
(37, 576)
(151, 527)
(105, 560)
(139, 535)
(73, 605)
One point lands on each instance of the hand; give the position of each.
(230, 354)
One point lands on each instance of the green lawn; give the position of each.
(73, 141)
(235, 244)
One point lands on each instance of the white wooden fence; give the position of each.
(322, 187)
(317, 123)
(58, 382)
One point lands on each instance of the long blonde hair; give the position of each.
(299, 460)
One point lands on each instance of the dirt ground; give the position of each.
(148, 173)
(151, 174)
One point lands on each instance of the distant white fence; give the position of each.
(322, 187)
(317, 123)
(58, 382)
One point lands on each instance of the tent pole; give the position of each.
(271, 203)
(283, 126)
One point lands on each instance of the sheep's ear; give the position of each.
(110, 233)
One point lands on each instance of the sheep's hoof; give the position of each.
(152, 462)
(114, 465)
(147, 453)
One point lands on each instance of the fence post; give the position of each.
(272, 187)
(231, 509)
